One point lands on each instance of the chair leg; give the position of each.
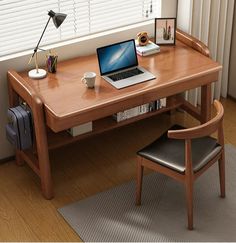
(189, 199)
(139, 180)
(221, 164)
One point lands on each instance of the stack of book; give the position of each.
(149, 49)
(139, 110)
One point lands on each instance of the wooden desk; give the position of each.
(61, 100)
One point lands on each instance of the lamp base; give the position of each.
(37, 75)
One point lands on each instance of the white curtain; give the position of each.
(211, 22)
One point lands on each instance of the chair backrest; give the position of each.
(205, 129)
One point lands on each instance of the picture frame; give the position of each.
(165, 31)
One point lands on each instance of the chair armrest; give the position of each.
(205, 129)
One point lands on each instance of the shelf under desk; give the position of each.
(62, 138)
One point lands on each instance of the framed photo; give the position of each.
(165, 31)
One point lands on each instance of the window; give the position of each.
(22, 21)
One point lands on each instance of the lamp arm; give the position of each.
(37, 46)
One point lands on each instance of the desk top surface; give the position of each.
(64, 95)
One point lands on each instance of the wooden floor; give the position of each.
(79, 171)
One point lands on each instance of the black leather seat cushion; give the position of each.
(171, 152)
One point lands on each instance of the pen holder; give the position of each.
(52, 63)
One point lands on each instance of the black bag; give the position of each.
(19, 128)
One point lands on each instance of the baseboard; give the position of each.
(231, 97)
(5, 160)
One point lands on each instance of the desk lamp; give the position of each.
(58, 19)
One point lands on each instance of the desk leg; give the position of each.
(42, 150)
(14, 101)
(40, 163)
(205, 103)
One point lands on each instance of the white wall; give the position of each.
(168, 8)
(80, 47)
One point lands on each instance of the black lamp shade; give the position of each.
(57, 18)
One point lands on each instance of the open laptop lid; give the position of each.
(116, 57)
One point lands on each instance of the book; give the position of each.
(158, 104)
(150, 48)
(136, 111)
(163, 102)
(148, 53)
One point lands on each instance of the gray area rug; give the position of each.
(112, 215)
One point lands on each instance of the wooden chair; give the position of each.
(184, 154)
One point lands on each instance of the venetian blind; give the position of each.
(22, 21)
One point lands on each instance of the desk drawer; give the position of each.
(57, 123)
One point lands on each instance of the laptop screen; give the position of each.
(116, 57)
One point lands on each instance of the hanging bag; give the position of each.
(19, 127)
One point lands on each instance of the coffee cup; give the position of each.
(89, 79)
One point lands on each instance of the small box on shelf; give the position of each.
(81, 129)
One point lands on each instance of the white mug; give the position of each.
(89, 79)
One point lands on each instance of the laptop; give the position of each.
(118, 65)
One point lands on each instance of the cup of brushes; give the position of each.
(51, 62)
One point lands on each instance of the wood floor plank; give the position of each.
(39, 214)
(12, 225)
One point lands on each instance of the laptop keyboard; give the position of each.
(125, 74)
